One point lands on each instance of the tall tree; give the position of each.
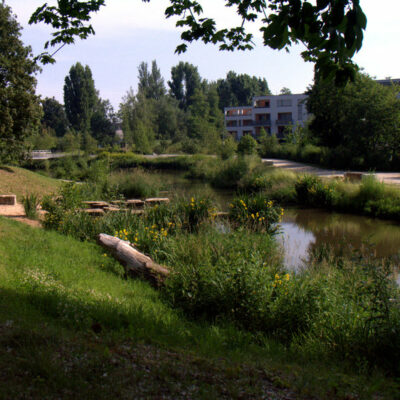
(363, 118)
(332, 30)
(54, 116)
(80, 97)
(20, 111)
(151, 83)
(103, 123)
(239, 90)
(185, 80)
(138, 121)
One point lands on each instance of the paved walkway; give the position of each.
(387, 177)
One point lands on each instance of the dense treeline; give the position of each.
(351, 127)
(186, 114)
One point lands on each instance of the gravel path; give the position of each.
(386, 177)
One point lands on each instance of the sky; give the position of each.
(130, 31)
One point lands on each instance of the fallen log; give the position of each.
(136, 264)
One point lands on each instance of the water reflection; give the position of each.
(306, 230)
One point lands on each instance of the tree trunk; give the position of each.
(136, 264)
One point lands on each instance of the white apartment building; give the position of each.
(273, 113)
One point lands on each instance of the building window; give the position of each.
(284, 102)
(284, 117)
(262, 104)
(263, 117)
(300, 112)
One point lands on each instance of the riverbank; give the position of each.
(246, 174)
(392, 178)
(76, 328)
(229, 296)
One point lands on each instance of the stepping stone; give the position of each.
(111, 209)
(96, 204)
(156, 200)
(135, 203)
(94, 212)
(8, 199)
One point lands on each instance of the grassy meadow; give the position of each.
(71, 325)
(20, 181)
(230, 321)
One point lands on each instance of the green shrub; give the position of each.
(257, 213)
(31, 203)
(229, 173)
(227, 148)
(357, 321)
(247, 146)
(312, 191)
(370, 189)
(311, 154)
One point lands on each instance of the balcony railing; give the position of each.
(284, 121)
(265, 122)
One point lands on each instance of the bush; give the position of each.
(311, 191)
(247, 145)
(31, 203)
(311, 154)
(227, 148)
(229, 173)
(256, 213)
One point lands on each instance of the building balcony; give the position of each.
(265, 122)
(284, 121)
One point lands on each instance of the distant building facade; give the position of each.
(388, 81)
(273, 113)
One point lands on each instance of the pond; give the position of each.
(305, 230)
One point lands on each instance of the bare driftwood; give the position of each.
(136, 264)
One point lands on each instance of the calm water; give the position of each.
(306, 229)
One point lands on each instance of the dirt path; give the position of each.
(386, 177)
(17, 213)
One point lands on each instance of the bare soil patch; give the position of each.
(17, 213)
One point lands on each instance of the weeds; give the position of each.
(31, 203)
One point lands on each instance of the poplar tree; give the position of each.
(80, 97)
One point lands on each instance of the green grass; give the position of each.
(19, 181)
(71, 326)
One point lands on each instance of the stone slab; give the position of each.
(96, 204)
(156, 200)
(8, 199)
(135, 203)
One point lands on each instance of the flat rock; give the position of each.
(111, 209)
(96, 204)
(135, 203)
(157, 200)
